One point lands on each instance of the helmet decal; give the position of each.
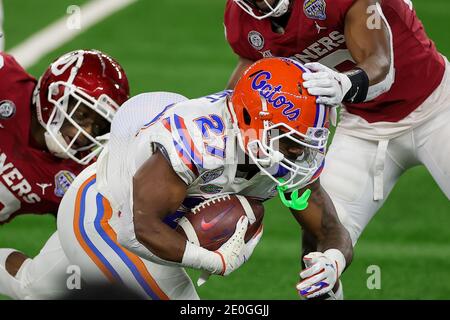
(273, 95)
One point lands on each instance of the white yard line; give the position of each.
(56, 34)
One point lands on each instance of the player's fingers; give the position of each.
(323, 92)
(327, 101)
(260, 231)
(253, 242)
(320, 83)
(315, 76)
(317, 292)
(239, 232)
(258, 234)
(315, 66)
(311, 270)
(311, 258)
(241, 226)
(312, 280)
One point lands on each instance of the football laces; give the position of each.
(210, 201)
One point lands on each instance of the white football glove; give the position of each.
(233, 252)
(252, 243)
(229, 257)
(247, 251)
(321, 274)
(330, 86)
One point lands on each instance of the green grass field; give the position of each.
(177, 45)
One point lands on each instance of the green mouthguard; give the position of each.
(295, 203)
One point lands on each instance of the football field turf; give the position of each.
(179, 45)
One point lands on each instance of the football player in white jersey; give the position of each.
(166, 154)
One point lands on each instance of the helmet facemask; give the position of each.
(274, 11)
(56, 143)
(265, 153)
(72, 86)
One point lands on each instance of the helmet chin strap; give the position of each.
(59, 150)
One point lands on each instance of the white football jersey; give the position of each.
(197, 137)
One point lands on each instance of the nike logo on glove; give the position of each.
(208, 225)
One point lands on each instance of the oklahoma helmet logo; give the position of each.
(256, 40)
(315, 9)
(7, 109)
(274, 96)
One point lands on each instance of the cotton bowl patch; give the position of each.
(315, 9)
(63, 180)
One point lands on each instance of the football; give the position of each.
(213, 222)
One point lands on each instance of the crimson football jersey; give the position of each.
(315, 33)
(31, 180)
